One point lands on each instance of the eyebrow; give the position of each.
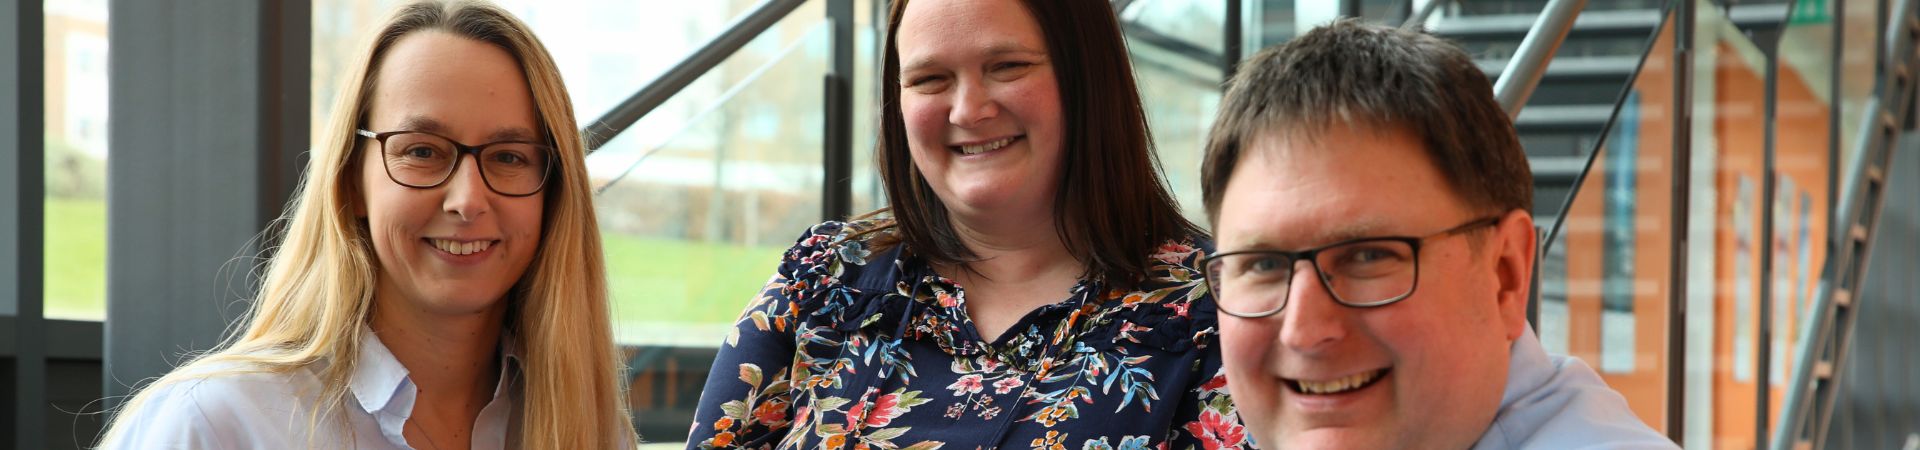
(428, 124)
(998, 49)
(1362, 228)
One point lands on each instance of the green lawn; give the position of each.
(76, 258)
(654, 281)
(681, 282)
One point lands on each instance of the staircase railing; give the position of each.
(1821, 355)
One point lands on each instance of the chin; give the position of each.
(1332, 438)
(466, 301)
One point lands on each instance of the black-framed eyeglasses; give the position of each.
(1361, 273)
(424, 160)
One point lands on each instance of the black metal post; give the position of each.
(837, 156)
(1683, 58)
(23, 210)
(1234, 47)
(1769, 179)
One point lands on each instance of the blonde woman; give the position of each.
(439, 284)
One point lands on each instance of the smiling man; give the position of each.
(1369, 199)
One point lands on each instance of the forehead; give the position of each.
(932, 29)
(467, 89)
(1295, 190)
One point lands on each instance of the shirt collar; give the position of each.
(1527, 368)
(378, 378)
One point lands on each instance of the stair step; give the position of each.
(1556, 168)
(1619, 67)
(1563, 116)
(1594, 22)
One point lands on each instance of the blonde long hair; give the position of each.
(318, 288)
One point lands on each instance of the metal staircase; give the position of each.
(1816, 384)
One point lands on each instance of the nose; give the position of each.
(1312, 321)
(466, 191)
(972, 105)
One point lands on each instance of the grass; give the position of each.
(76, 259)
(662, 288)
(674, 282)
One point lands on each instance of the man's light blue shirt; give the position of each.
(1557, 402)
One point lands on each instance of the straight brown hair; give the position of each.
(1113, 207)
(1347, 73)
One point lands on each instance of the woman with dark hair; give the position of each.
(1032, 284)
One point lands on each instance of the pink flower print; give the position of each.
(1006, 385)
(1172, 253)
(1217, 384)
(970, 384)
(1216, 431)
(877, 414)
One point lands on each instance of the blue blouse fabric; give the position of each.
(852, 348)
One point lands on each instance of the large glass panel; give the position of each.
(694, 224)
(869, 22)
(76, 159)
(1803, 161)
(1195, 23)
(1180, 94)
(682, 200)
(1726, 244)
(1605, 300)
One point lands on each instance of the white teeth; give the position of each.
(1339, 385)
(987, 147)
(461, 248)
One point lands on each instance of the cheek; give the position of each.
(925, 117)
(525, 215)
(1036, 100)
(1244, 342)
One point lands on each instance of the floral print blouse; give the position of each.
(849, 348)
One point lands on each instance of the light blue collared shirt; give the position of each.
(275, 410)
(1557, 402)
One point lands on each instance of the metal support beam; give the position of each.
(1682, 163)
(1769, 182)
(203, 159)
(22, 210)
(837, 156)
(1235, 39)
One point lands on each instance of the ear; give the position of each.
(1514, 245)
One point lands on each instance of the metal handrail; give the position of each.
(1420, 17)
(736, 36)
(1886, 113)
(1529, 64)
